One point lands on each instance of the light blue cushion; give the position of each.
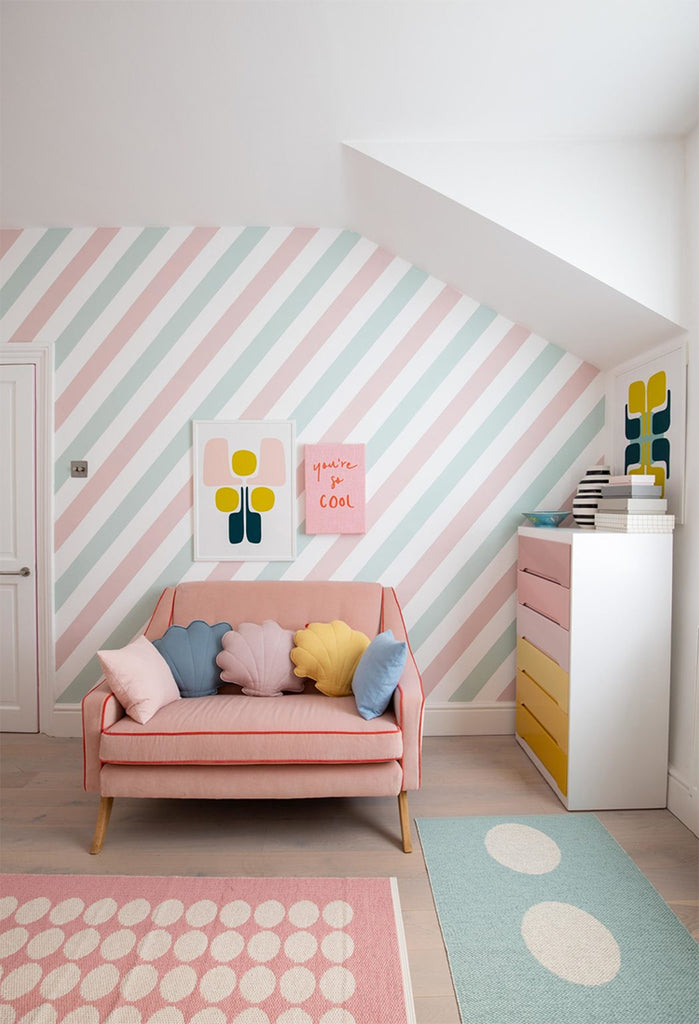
(378, 674)
(191, 651)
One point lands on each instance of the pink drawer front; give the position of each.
(549, 637)
(541, 595)
(547, 558)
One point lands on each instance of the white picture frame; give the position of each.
(244, 490)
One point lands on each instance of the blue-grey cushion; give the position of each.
(191, 651)
(378, 674)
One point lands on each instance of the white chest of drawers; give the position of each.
(593, 664)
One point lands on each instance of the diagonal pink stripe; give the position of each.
(104, 598)
(462, 522)
(421, 452)
(450, 653)
(298, 360)
(508, 694)
(64, 283)
(8, 237)
(144, 305)
(195, 364)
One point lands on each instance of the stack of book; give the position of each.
(633, 504)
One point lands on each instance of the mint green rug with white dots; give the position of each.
(547, 921)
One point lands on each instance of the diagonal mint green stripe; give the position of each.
(181, 442)
(332, 380)
(435, 374)
(503, 531)
(461, 463)
(489, 663)
(158, 350)
(129, 626)
(30, 267)
(105, 292)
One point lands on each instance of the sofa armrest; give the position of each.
(100, 709)
(409, 698)
(161, 618)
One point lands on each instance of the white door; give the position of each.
(19, 689)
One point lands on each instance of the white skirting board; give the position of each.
(683, 801)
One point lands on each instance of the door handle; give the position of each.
(24, 571)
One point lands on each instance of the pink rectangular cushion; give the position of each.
(140, 679)
(305, 728)
(291, 604)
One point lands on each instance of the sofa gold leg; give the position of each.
(404, 821)
(105, 809)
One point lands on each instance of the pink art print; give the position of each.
(335, 499)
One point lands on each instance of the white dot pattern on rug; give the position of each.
(234, 914)
(297, 984)
(12, 941)
(522, 848)
(200, 913)
(167, 913)
(337, 914)
(32, 910)
(304, 913)
(571, 943)
(337, 984)
(337, 947)
(300, 947)
(67, 910)
(269, 913)
(264, 946)
(134, 912)
(136, 960)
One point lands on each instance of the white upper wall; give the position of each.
(234, 112)
(613, 209)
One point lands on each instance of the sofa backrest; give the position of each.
(290, 603)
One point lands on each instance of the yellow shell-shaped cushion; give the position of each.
(329, 652)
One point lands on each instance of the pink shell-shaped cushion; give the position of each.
(257, 658)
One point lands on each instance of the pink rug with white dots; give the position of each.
(151, 950)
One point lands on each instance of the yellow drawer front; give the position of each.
(544, 709)
(543, 670)
(544, 746)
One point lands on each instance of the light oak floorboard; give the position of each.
(48, 821)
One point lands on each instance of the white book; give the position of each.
(647, 505)
(621, 522)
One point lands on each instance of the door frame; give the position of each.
(40, 356)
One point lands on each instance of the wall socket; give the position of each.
(78, 469)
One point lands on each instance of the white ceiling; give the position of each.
(233, 112)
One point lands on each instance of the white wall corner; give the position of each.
(467, 718)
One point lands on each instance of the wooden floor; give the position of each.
(47, 824)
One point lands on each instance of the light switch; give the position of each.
(78, 469)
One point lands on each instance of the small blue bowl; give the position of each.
(546, 518)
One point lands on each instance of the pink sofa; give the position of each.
(236, 747)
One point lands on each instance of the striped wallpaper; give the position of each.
(467, 419)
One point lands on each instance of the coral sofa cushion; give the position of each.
(257, 658)
(378, 673)
(140, 679)
(191, 651)
(303, 728)
(329, 652)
